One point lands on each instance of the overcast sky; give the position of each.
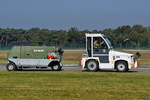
(83, 14)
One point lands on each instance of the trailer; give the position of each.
(100, 54)
(34, 57)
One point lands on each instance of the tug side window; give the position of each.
(99, 43)
(89, 46)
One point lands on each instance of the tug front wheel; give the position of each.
(122, 66)
(92, 66)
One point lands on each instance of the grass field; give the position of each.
(3, 57)
(74, 86)
(37, 85)
(74, 56)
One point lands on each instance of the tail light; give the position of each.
(50, 57)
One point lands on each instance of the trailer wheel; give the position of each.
(92, 66)
(56, 67)
(11, 67)
(121, 66)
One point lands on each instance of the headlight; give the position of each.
(132, 59)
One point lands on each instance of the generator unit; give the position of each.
(38, 57)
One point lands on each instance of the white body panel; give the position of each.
(32, 62)
(111, 65)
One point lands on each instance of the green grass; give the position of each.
(145, 62)
(3, 61)
(74, 86)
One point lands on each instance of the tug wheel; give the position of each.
(92, 65)
(121, 66)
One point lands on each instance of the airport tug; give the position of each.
(100, 54)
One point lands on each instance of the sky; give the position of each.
(82, 14)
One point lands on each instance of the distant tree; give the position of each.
(82, 37)
(122, 36)
(147, 35)
(139, 28)
(62, 38)
(95, 31)
(73, 36)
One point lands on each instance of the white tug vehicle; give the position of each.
(100, 54)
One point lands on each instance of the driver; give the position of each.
(98, 45)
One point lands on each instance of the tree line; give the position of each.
(136, 35)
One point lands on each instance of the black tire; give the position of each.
(56, 67)
(11, 67)
(92, 66)
(121, 66)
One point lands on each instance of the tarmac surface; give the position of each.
(77, 68)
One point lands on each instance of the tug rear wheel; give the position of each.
(92, 66)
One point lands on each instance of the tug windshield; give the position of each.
(108, 42)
